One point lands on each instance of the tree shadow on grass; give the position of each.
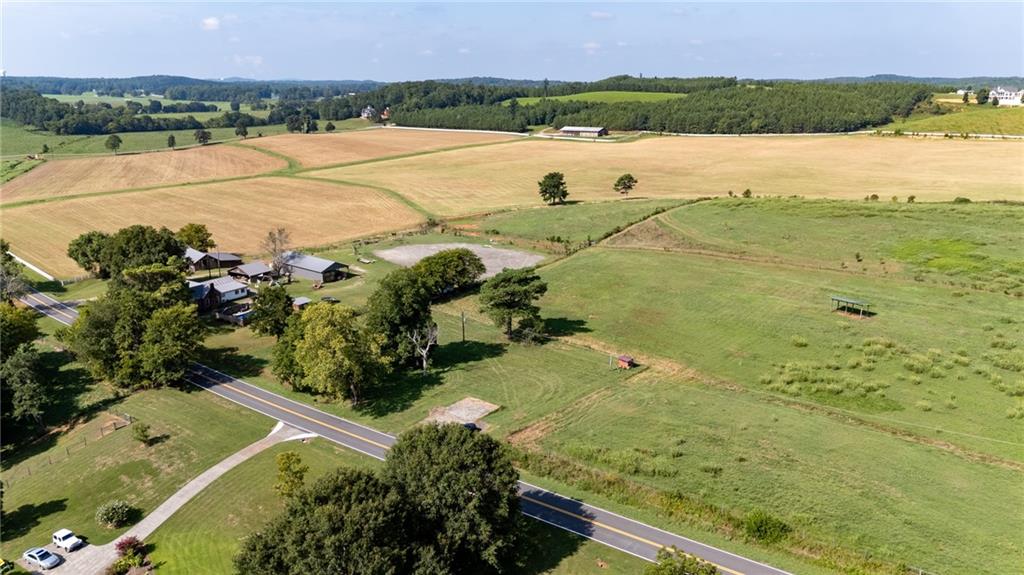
(20, 521)
(228, 360)
(542, 547)
(401, 390)
(564, 326)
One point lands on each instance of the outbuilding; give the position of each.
(300, 302)
(198, 260)
(319, 270)
(252, 273)
(586, 131)
(216, 292)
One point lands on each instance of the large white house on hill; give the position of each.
(1006, 96)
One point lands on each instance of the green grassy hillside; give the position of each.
(608, 97)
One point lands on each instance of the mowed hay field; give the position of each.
(90, 175)
(312, 150)
(486, 178)
(238, 213)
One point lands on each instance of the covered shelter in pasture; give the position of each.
(313, 268)
(585, 131)
(253, 273)
(626, 362)
(851, 306)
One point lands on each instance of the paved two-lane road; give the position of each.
(572, 515)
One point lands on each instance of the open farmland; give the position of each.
(326, 149)
(486, 178)
(965, 118)
(238, 213)
(92, 175)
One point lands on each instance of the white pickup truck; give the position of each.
(66, 540)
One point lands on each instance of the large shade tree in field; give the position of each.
(510, 295)
(112, 143)
(625, 183)
(449, 271)
(87, 251)
(196, 236)
(552, 188)
(270, 311)
(400, 305)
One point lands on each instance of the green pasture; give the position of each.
(605, 97)
(970, 118)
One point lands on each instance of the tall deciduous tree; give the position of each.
(672, 561)
(981, 96)
(329, 127)
(171, 342)
(400, 304)
(337, 357)
(87, 251)
(22, 389)
(450, 271)
(463, 487)
(625, 183)
(283, 363)
(510, 295)
(553, 188)
(271, 310)
(196, 236)
(241, 130)
(276, 244)
(422, 340)
(113, 143)
(12, 279)
(136, 246)
(202, 136)
(171, 141)
(17, 327)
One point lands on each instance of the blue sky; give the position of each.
(570, 41)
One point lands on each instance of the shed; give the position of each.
(252, 273)
(626, 362)
(313, 268)
(198, 260)
(589, 131)
(300, 302)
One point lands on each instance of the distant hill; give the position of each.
(492, 81)
(935, 81)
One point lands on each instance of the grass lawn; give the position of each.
(965, 118)
(204, 536)
(571, 222)
(195, 430)
(607, 97)
(10, 169)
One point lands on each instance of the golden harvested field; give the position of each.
(485, 178)
(238, 213)
(109, 173)
(313, 150)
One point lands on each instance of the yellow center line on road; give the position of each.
(616, 530)
(50, 306)
(386, 447)
(295, 413)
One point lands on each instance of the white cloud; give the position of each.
(597, 15)
(591, 47)
(210, 23)
(250, 61)
(463, 50)
(696, 42)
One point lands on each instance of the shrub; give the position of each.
(124, 564)
(917, 363)
(130, 545)
(140, 432)
(114, 513)
(924, 405)
(711, 469)
(763, 527)
(798, 341)
(961, 200)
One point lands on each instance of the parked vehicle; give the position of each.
(41, 558)
(66, 540)
(6, 566)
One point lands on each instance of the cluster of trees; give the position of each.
(145, 331)
(444, 503)
(23, 397)
(31, 108)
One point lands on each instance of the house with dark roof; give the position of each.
(319, 270)
(253, 273)
(213, 293)
(198, 260)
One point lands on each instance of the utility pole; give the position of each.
(463, 326)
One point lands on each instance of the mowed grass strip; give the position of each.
(312, 150)
(238, 213)
(92, 175)
(475, 180)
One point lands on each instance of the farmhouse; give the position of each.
(313, 268)
(589, 131)
(198, 260)
(1006, 96)
(368, 113)
(216, 292)
(252, 273)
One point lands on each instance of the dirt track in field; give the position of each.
(110, 173)
(238, 213)
(312, 150)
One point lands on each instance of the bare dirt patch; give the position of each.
(495, 259)
(468, 410)
(238, 213)
(89, 175)
(313, 150)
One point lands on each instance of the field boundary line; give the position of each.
(407, 155)
(387, 191)
(293, 164)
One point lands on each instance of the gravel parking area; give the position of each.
(495, 259)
